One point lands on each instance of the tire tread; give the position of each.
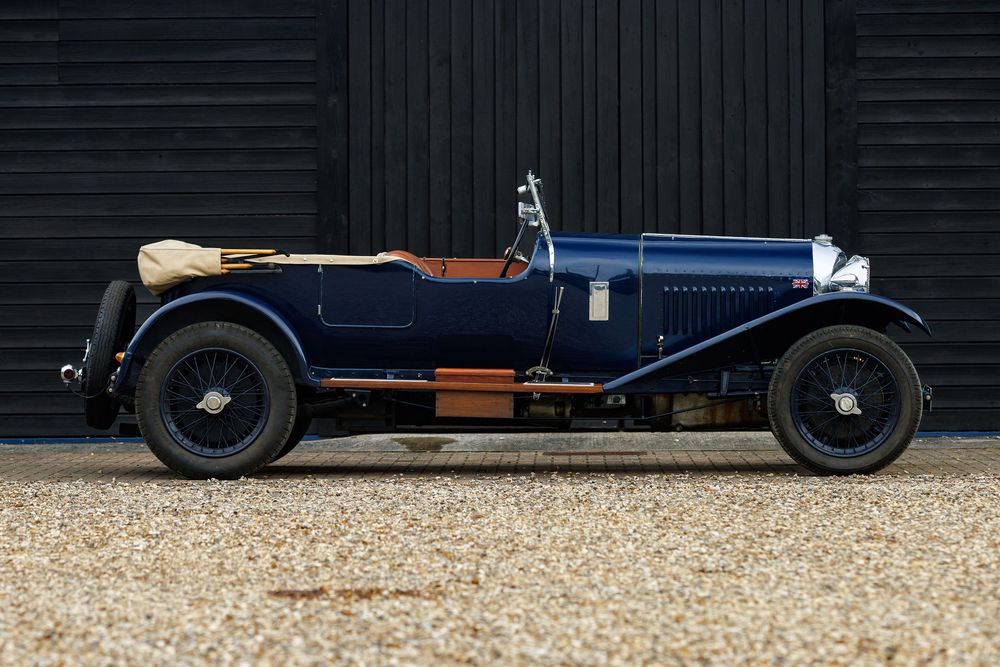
(100, 408)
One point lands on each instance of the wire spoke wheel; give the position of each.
(845, 402)
(214, 402)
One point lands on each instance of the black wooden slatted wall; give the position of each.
(640, 115)
(928, 126)
(364, 125)
(123, 122)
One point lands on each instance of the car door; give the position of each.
(375, 295)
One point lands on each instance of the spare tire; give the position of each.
(113, 330)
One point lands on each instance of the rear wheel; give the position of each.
(302, 424)
(843, 400)
(113, 329)
(215, 400)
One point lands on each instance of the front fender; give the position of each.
(187, 310)
(768, 337)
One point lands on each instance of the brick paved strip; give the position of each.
(26, 464)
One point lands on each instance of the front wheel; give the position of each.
(844, 399)
(215, 399)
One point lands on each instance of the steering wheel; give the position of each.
(513, 249)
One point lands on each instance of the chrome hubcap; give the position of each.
(846, 404)
(213, 402)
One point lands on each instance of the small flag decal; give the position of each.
(800, 283)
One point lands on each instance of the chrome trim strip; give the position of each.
(725, 238)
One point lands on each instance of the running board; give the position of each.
(434, 385)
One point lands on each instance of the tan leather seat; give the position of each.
(412, 259)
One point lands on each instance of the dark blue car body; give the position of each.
(647, 331)
(668, 294)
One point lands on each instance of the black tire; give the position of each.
(302, 424)
(113, 329)
(898, 405)
(159, 412)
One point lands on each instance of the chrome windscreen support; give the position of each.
(542, 371)
(534, 186)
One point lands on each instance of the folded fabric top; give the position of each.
(164, 264)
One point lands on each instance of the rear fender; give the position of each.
(767, 338)
(211, 306)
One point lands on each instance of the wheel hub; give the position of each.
(213, 402)
(846, 403)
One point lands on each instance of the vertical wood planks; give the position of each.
(550, 108)
(483, 128)
(505, 132)
(693, 116)
(779, 212)
(396, 108)
(668, 165)
(417, 128)
(631, 112)
(712, 141)
(332, 113)
(607, 106)
(589, 191)
(360, 120)
(734, 118)
(841, 120)
(462, 133)
(440, 124)
(813, 119)
(571, 113)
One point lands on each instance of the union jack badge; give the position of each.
(800, 283)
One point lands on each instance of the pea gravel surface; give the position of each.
(503, 569)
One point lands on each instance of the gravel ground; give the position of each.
(515, 569)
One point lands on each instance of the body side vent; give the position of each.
(700, 310)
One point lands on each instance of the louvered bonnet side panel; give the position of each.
(704, 310)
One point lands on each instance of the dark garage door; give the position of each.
(123, 122)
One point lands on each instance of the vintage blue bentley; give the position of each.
(649, 331)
